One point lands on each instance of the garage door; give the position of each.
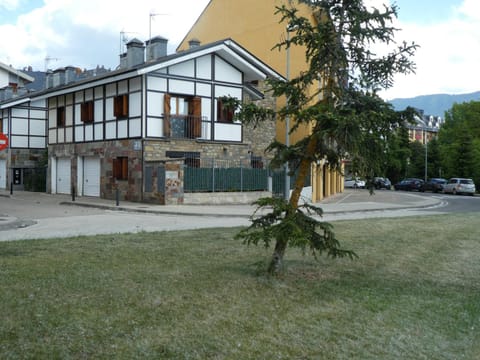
(91, 176)
(3, 174)
(63, 176)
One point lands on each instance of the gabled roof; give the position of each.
(229, 50)
(15, 72)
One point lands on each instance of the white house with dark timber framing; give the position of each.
(24, 121)
(125, 133)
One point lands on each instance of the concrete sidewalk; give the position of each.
(349, 201)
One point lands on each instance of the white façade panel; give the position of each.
(89, 133)
(79, 134)
(98, 131)
(157, 84)
(135, 127)
(111, 130)
(123, 87)
(39, 103)
(69, 115)
(88, 94)
(37, 142)
(69, 135)
(79, 97)
(19, 126)
(206, 108)
(98, 111)
(52, 136)
(37, 127)
(37, 114)
(111, 89)
(204, 67)
(122, 129)
(154, 104)
(109, 109)
(16, 112)
(186, 68)
(60, 136)
(19, 141)
(204, 89)
(78, 114)
(99, 92)
(135, 105)
(52, 118)
(228, 91)
(136, 84)
(181, 87)
(154, 127)
(226, 72)
(228, 132)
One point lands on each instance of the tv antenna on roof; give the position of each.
(152, 15)
(48, 58)
(124, 39)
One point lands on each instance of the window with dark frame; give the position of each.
(120, 106)
(87, 111)
(61, 116)
(120, 168)
(224, 114)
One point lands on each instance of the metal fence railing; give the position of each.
(213, 175)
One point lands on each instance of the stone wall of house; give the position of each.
(107, 151)
(259, 137)
(156, 150)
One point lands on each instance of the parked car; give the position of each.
(382, 183)
(354, 182)
(410, 184)
(459, 186)
(434, 185)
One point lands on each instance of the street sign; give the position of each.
(3, 141)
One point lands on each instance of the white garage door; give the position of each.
(91, 176)
(3, 174)
(63, 176)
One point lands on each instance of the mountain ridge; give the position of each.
(435, 104)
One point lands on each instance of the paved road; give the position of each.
(33, 216)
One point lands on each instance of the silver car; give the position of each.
(459, 186)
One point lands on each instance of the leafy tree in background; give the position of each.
(459, 141)
(336, 97)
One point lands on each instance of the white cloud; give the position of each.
(9, 4)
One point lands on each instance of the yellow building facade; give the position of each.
(255, 26)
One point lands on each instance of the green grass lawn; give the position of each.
(414, 293)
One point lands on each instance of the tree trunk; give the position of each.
(281, 243)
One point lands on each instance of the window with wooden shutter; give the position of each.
(120, 168)
(166, 115)
(87, 111)
(120, 106)
(195, 110)
(1, 125)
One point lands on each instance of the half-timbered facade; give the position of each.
(24, 121)
(108, 136)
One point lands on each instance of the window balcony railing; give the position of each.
(187, 127)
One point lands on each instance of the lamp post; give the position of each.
(426, 151)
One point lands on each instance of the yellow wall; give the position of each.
(254, 25)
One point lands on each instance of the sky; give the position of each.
(86, 33)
